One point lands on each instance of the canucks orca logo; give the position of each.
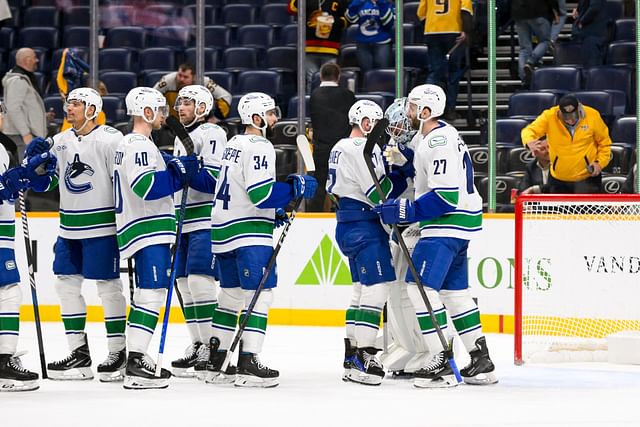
(73, 171)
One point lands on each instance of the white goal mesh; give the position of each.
(577, 275)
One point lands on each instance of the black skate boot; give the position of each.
(437, 373)
(214, 365)
(200, 368)
(480, 371)
(114, 367)
(141, 373)
(76, 366)
(252, 373)
(13, 377)
(366, 368)
(183, 367)
(349, 357)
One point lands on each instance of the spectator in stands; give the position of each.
(5, 12)
(579, 145)
(375, 20)
(590, 27)
(26, 117)
(448, 25)
(532, 18)
(536, 177)
(630, 186)
(170, 84)
(557, 25)
(329, 105)
(325, 24)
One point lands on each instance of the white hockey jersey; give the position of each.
(7, 209)
(140, 222)
(84, 177)
(443, 165)
(209, 141)
(348, 175)
(247, 175)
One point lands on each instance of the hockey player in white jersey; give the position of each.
(449, 210)
(362, 238)
(243, 218)
(87, 246)
(143, 184)
(13, 376)
(195, 263)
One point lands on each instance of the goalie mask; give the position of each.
(399, 127)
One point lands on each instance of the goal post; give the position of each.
(577, 274)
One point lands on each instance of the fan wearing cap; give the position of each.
(579, 145)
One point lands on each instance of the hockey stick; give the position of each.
(132, 285)
(184, 137)
(377, 134)
(307, 158)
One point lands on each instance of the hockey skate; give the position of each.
(349, 357)
(114, 367)
(200, 367)
(14, 377)
(214, 365)
(252, 373)
(480, 371)
(366, 368)
(76, 366)
(141, 373)
(184, 367)
(436, 374)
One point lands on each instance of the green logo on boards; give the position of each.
(326, 266)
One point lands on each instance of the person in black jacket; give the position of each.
(536, 178)
(590, 27)
(329, 105)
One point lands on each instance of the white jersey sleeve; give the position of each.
(7, 209)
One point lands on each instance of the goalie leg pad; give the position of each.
(143, 318)
(465, 316)
(427, 327)
(72, 307)
(188, 309)
(115, 312)
(368, 316)
(10, 298)
(225, 316)
(205, 299)
(254, 332)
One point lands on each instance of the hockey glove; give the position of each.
(394, 211)
(303, 186)
(40, 165)
(184, 168)
(37, 146)
(281, 218)
(11, 182)
(398, 154)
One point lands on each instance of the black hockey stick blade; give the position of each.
(182, 134)
(376, 136)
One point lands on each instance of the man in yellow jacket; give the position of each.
(579, 145)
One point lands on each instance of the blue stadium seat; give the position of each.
(409, 34)
(40, 80)
(116, 16)
(568, 54)
(556, 78)
(623, 131)
(416, 57)
(114, 109)
(625, 30)
(210, 57)
(530, 104)
(507, 132)
(210, 14)
(289, 35)
(282, 58)
(115, 59)
(504, 185)
(237, 15)
(258, 35)
(616, 81)
(349, 35)
(217, 36)
(240, 58)
(7, 38)
(44, 37)
(119, 82)
(15, 20)
(621, 53)
(76, 16)
(170, 36)
(383, 80)
(222, 78)
(54, 102)
(613, 184)
(620, 162)
(152, 77)
(600, 100)
(347, 57)
(275, 15)
(41, 16)
(56, 56)
(269, 82)
(157, 58)
(131, 37)
(410, 12)
(292, 107)
(286, 161)
(233, 111)
(76, 37)
(613, 9)
(479, 158)
(378, 99)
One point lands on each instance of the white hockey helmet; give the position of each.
(428, 96)
(399, 127)
(140, 98)
(200, 95)
(364, 109)
(88, 96)
(256, 103)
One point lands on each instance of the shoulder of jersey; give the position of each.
(111, 130)
(255, 139)
(133, 138)
(207, 127)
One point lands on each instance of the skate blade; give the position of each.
(345, 375)
(445, 381)
(12, 386)
(219, 378)
(360, 377)
(487, 378)
(139, 383)
(183, 373)
(73, 374)
(112, 377)
(257, 382)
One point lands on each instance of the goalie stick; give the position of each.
(307, 158)
(184, 137)
(376, 136)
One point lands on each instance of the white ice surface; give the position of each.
(311, 392)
